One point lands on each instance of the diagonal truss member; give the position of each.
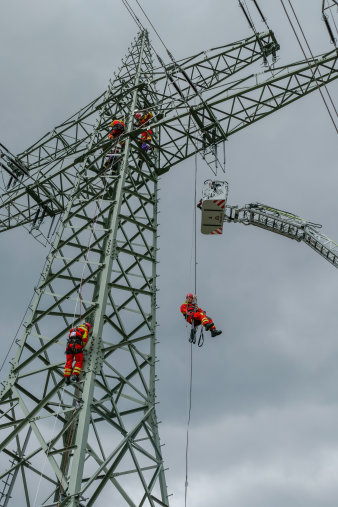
(99, 442)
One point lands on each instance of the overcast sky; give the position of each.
(265, 398)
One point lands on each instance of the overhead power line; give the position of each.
(306, 57)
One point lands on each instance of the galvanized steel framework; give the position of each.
(99, 442)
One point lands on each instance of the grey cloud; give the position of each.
(264, 393)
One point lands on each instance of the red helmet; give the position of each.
(137, 115)
(190, 296)
(88, 325)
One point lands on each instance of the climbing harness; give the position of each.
(193, 333)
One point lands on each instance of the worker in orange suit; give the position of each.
(145, 140)
(113, 157)
(117, 129)
(77, 340)
(142, 119)
(196, 316)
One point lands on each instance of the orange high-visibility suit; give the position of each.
(142, 118)
(146, 136)
(77, 340)
(117, 129)
(196, 315)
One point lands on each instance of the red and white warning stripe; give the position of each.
(220, 203)
(217, 231)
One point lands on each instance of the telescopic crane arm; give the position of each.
(286, 224)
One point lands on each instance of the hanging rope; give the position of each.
(45, 460)
(200, 343)
(170, 75)
(188, 424)
(70, 431)
(98, 200)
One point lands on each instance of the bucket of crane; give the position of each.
(214, 197)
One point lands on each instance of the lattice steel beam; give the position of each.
(184, 128)
(99, 440)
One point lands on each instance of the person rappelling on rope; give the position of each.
(77, 340)
(142, 119)
(196, 316)
(113, 156)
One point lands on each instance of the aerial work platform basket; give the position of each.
(214, 197)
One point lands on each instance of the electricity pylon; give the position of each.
(98, 441)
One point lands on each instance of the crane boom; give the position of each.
(286, 224)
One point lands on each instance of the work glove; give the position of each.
(145, 146)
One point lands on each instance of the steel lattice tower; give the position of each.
(99, 442)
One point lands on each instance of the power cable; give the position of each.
(327, 24)
(261, 14)
(158, 35)
(170, 75)
(133, 15)
(313, 71)
(335, 24)
(308, 46)
(250, 17)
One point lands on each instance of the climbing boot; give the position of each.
(215, 332)
(75, 378)
(67, 379)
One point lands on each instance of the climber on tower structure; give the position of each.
(117, 129)
(196, 316)
(142, 119)
(112, 158)
(77, 340)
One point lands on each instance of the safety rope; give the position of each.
(99, 198)
(187, 434)
(191, 344)
(174, 70)
(98, 201)
(76, 406)
(45, 459)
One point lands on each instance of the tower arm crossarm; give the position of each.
(53, 162)
(42, 181)
(189, 76)
(24, 200)
(286, 224)
(233, 106)
(67, 141)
